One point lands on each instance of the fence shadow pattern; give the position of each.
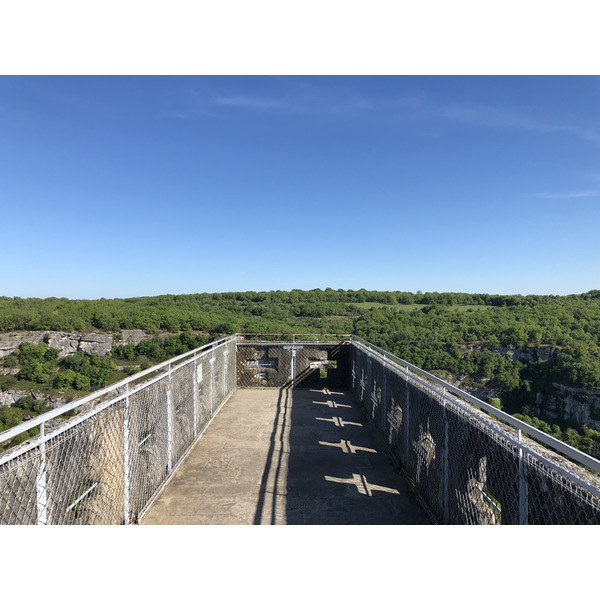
(464, 466)
(106, 465)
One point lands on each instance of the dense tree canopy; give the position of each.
(464, 335)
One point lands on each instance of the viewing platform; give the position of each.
(290, 429)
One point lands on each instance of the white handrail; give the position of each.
(56, 412)
(555, 444)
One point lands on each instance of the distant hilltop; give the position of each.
(224, 313)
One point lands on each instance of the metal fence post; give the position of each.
(234, 378)
(41, 482)
(169, 424)
(523, 489)
(446, 459)
(212, 380)
(383, 392)
(126, 473)
(407, 421)
(369, 396)
(195, 383)
(225, 354)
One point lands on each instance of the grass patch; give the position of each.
(409, 307)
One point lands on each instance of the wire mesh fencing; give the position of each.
(465, 466)
(299, 363)
(106, 464)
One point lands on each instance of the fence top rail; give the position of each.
(56, 412)
(322, 335)
(555, 444)
(535, 433)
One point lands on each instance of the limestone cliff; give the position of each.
(69, 343)
(524, 354)
(563, 402)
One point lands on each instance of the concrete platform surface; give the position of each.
(283, 456)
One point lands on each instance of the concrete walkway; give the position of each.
(277, 456)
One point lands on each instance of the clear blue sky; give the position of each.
(137, 186)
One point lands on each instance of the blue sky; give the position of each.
(137, 186)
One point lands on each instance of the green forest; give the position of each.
(455, 334)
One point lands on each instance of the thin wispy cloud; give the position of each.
(319, 102)
(331, 106)
(492, 116)
(569, 195)
(299, 96)
(296, 96)
(411, 107)
(252, 102)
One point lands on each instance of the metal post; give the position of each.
(293, 367)
(406, 420)
(384, 402)
(225, 354)
(446, 459)
(234, 367)
(126, 473)
(369, 384)
(169, 423)
(212, 380)
(195, 363)
(523, 489)
(41, 482)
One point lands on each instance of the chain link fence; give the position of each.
(465, 466)
(106, 464)
(297, 360)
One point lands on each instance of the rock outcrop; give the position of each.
(525, 353)
(66, 343)
(69, 343)
(563, 402)
(9, 397)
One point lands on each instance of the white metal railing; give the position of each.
(520, 426)
(107, 463)
(466, 466)
(87, 400)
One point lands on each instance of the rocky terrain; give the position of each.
(565, 402)
(69, 343)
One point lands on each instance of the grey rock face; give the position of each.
(579, 404)
(9, 397)
(66, 343)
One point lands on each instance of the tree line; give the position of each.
(463, 335)
(240, 311)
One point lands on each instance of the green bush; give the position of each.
(32, 405)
